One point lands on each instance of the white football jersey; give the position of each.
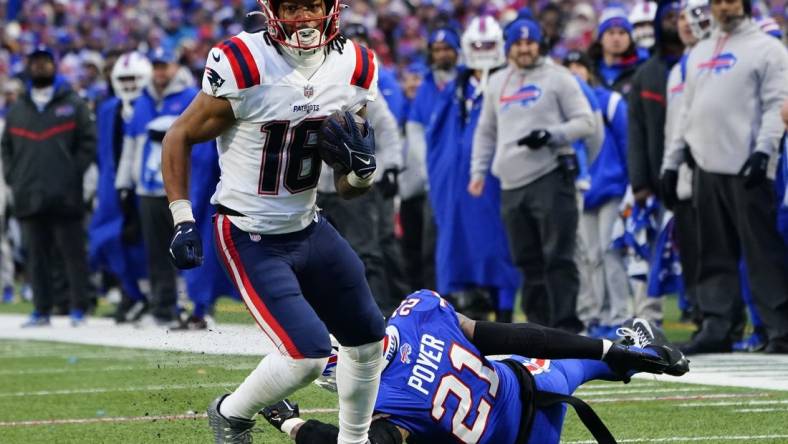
(268, 158)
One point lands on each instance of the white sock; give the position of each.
(274, 379)
(358, 377)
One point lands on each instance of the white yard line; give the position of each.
(119, 419)
(78, 369)
(678, 398)
(690, 438)
(147, 388)
(784, 409)
(591, 393)
(733, 403)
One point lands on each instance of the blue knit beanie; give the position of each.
(613, 18)
(522, 29)
(447, 36)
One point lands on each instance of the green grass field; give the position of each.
(66, 393)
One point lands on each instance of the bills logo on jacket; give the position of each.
(719, 63)
(526, 96)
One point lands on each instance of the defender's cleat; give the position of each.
(641, 333)
(229, 430)
(280, 412)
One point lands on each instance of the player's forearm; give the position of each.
(534, 341)
(176, 164)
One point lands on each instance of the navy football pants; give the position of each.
(301, 286)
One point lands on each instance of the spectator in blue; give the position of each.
(444, 53)
(608, 183)
(472, 251)
(169, 93)
(418, 233)
(614, 53)
(115, 243)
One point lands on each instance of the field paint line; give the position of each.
(689, 438)
(733, 403)
(784, 409)
(592, 393)
(77, 369)
(679, 398)
(639, 383)
(118, 389)
(119, 419)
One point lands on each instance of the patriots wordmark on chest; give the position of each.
(309, 91)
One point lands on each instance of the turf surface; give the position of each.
(66, 393)
(138, 396)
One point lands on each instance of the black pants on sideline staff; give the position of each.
(735, 222)
(687, 238)
(42, 234)
(157, 231)
(541, 224)
(358, 220)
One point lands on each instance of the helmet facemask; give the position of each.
(305, 38)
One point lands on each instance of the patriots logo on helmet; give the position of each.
(214, 79)
(526, 96)
(719, 64)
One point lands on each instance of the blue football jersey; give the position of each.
(438, 385)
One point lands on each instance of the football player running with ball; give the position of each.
(267, 97)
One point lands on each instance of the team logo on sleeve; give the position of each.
(719, 64)
(404, 353)
(214, 79)
(526, 96)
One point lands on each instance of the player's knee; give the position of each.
(364, 354)
(306, 370)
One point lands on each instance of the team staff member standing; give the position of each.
(734, 148)
(531, 113)
(48, 143)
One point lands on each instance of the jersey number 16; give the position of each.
(298, 145)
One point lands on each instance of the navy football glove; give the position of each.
(536, 139)
(186, 246)
(348, 148)
(754, 169)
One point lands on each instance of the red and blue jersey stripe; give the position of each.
(365, 68)
(242, 63)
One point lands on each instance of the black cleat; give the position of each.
(229, 430)
(641, 333)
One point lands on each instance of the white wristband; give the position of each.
(181, 210)
(360, 182)
(290, 424)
